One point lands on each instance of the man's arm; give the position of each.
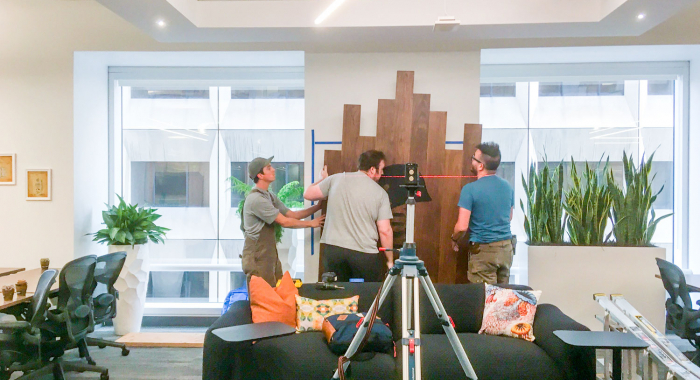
(386, 238)
(296, 223)
(301, 214)
(314, 192)
(462, 220)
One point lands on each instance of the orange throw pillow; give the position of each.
(269, 304)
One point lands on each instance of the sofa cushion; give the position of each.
(463, 302)
(366, 290)
(307, 356)
(493, 358)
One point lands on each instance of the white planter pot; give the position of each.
(569, 276)
(131, 285)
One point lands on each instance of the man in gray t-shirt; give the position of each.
(261, 210)
(358, 216)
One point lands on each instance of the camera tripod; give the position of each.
(412, 272)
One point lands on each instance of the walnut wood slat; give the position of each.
(408, 131)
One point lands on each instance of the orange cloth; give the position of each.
(270, 304)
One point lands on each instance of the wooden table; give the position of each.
(32, 278)
(8, 271)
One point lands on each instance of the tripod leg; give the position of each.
(354, 345)
(447, 326)
(416, 329)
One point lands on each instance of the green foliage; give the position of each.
(544, 219)
(587, 204)
(129, 225)
(631, 204)
(288, 194)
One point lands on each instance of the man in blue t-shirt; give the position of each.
(485, 209)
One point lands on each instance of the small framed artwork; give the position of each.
(8, 169)
(38, 184)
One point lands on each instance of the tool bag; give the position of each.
(340, 329)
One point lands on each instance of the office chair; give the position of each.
(69, 323)
(682, 319)
(20, 341)
(105, 304)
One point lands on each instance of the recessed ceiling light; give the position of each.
(641, 16)
(160, 23)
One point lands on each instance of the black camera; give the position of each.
(327, 279)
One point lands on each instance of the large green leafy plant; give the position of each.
(129, 225)
(544, 219)
(632, 204)
(289, 194)
(587, 204)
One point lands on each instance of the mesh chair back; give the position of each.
(682, 319)
(674, 283)
(75, 284)
(107, 271)
(40, 303)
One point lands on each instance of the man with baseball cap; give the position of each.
(261, 210)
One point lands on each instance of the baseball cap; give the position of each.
(258, 163)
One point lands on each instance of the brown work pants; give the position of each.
(490, 262)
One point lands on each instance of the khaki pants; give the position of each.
(490, 262)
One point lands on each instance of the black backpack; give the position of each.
(340, 329)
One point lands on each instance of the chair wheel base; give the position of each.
(125, 352)
(104, 376)
(101, 346)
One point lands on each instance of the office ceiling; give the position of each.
(393, 24)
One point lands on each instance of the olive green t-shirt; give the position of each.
(260, 208)
(355, 204)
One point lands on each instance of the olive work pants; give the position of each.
(490, 262)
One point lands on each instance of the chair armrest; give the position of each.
(225, 360)
(15, 325)
(104, 300)
(575, 362)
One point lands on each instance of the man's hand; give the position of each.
(455, 247)
(390, 264)
(324, 172)
(318, 222)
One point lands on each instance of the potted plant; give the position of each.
(291, 195)
(594, 257)
(128, 228)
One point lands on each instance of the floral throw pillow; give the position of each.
(510, 312)
(310, 313)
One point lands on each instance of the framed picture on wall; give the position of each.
(38, 184)
(8, 169)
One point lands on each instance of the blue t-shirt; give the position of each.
(490, 200)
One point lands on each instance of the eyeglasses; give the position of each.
(475, 159)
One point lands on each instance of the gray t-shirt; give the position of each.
(355, 204)
(260, 208)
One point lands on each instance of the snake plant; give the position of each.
(587, 204)
(632, 204)
(544, 219)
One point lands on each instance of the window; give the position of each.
(589, 120)
(285, 172)
(498, 90)
(177, 142)
(582, 88)
(171, 184)
(660, 87)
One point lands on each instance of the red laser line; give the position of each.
(432, 176)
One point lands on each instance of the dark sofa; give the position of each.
(306, 355)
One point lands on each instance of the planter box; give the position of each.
(569, 276)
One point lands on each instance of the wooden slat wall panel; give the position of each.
(407, 131)
(449, 194)
(351, 132)
(402, 125)
(472, 138)
(428, 213)
(332, 158)
(385, 121)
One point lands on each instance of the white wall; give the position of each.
(332, 80)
